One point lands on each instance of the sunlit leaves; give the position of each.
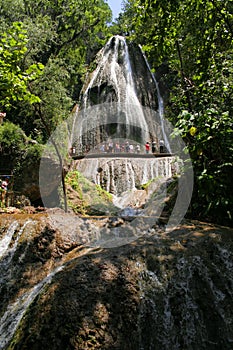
(13, 79)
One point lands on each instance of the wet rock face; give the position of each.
(144, 83)
(119, 175)
(111, 78)
(31, 186)
(162, 291)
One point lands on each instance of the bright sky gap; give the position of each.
(115, 7)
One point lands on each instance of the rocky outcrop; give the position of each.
(161, 291)
(27, 182)
(37, 179)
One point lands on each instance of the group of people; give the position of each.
(122, 147)
(117, 147)
(127, 147)
(153, 147)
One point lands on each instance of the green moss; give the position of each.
(91, 198)
(147, 184)
(104, 194)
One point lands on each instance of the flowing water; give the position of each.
(112, 85)
(121, 103)
(15, 312)
(6, 239)
(120, 100)
(161, 108)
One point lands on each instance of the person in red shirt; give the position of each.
(147, 147)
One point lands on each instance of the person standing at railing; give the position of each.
(127, 146)
(110, 147)
(138, 148)
(161, 146)
(147, 147)
(131, 148)
(117, 147)
(153, 148)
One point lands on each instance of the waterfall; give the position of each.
(114, 106)
(6, 250)
(123, 174)
(110, 97)
(120, 103)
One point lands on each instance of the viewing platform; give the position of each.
(120, 155)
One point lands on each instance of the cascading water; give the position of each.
(119, 109)
(6, 239)
(8, 246)
(111, 103)
(15, 312)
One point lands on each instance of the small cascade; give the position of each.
(7, 247)
(145, 174)
(14, 313)
(6, 240)
(119, 175)
(129, 176)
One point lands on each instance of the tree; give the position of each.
(64, 36)
(14, 80)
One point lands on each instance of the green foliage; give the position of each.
(64, 36)
(211, 150)
(104, 194)
(32, 154)
(18, 152)
(12, 139)
(13, 79)
(73, 179)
